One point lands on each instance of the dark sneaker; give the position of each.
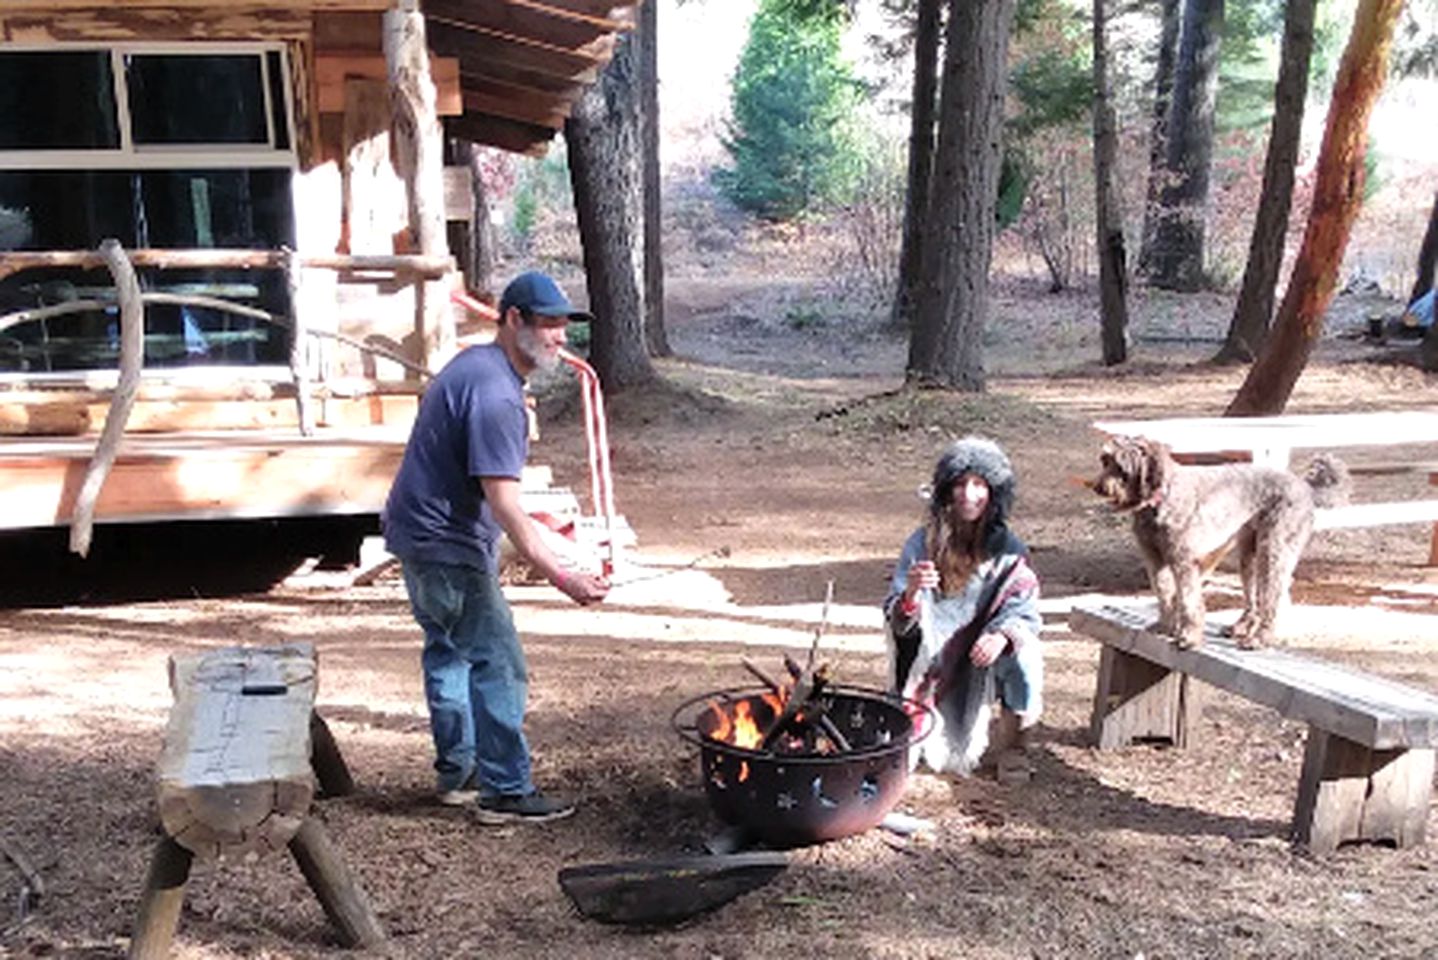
(530, 808)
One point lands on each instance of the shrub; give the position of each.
(789, 136)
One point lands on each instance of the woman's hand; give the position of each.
(988, 648)
(923, 575)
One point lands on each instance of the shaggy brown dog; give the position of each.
(1187, 518)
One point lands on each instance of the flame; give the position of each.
(743, 770)
(746, 731)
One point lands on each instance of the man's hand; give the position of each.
(582, 588)
(988, 648)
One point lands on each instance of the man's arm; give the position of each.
(502, 494)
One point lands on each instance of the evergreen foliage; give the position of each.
(790, 138)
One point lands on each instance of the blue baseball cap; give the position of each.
(537, 293)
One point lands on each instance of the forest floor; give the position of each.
(774, 457)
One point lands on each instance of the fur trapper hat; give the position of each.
(980, 456)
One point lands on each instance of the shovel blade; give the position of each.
(660, 892)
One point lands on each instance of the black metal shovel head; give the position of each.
(661, 892)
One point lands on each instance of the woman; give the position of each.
(963, 618)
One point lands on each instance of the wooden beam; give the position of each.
(117, 21)
(229, 475)
(605, 9)
(547, 25)
(405, 265)
(7, 6)
(474, 68)
(450, 36)
(512, 135)
(515, 104)
(331, 72)
(347, 31)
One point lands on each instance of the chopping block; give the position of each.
(243, 750)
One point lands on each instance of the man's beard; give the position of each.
(533, 347)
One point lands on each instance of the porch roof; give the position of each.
(523, 63)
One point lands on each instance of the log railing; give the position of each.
(132, 303)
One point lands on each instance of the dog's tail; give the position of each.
(1329, 479)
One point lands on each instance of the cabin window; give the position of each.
(32, 85)
(178, 148)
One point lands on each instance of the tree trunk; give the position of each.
(1251, 315)
(603, 138)
(946, 349)
(921, 160)
(1178, 247)
(1337, 198)
(1158, 128)
(656, 336)
(479, 270)
(1427, 256)
(1109, 219)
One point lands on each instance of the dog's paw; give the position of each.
(1255, 639)
(1189, 639)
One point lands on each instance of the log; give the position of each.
(132, 358)
(329, 765)
(159, 912)
(343, 899)
(235, 774)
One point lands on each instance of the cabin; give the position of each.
(272, 177)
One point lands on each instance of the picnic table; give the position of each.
(1270, 441)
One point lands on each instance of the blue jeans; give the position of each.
(474, 677)
(1019, 679)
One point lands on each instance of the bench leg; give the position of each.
(331, 771)
(1140, 700)
(1351, 792)
(343, 900)
(159, 912)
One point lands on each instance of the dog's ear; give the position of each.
(1154, 469)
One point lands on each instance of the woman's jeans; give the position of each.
(474, 677)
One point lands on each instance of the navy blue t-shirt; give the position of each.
(471, 424)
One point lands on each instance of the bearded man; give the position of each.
(457, 489)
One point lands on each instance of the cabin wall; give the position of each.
(348, 196)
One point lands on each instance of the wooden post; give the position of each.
(330, 768)
(1351, 792)
(1139, 700)
(343, 900)
(419, 149)
(159, 912)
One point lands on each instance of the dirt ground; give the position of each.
(774, 459)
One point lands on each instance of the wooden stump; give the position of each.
(235, 773)
(1137, 699)
(1350, 792)
(159, 912)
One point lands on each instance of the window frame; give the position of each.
(129, 155)
(160, 157)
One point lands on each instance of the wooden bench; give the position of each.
(243, 750)
(1369, 761)
(1272, 440)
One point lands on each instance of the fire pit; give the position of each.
(789, 780)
